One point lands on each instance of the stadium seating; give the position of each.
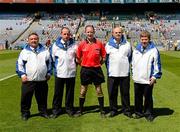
(12, 26)
(15, 28)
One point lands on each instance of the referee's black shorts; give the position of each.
(91, 75)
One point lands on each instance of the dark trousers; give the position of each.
(58, 94)
(113, 84)
(146, 91)
(40, 89)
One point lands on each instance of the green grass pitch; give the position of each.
(166, 104)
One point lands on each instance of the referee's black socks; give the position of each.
(81, 103)
(101, 103)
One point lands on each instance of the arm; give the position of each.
(78, 55)
(107, 54)
(49, 67)
(130, 55)
(157, 69)
(52, 57)
(20, 68)
(103, 54)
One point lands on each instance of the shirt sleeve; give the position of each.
(130, 54)
(79, 51)
(20, 65)
(49, 64)
(103, 51)
(157, 66)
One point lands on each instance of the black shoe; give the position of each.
(78, 113)
(70, 113)
(149, 118)
(112, 113)
(128, 114)
(24, 117)
(103, 114)
(55, 113)
(54, 116)
(45, 115)
(137, 116)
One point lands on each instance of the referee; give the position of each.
(91, 55)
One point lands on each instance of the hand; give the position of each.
(152, 81)
(48, 77)
(24, 78)
(102, 61)
(78, 61)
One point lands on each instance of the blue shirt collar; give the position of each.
(112, 42)
(140, 48)
(38, 49)
(60, 43)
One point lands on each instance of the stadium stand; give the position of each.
(47, 22)
(12, 26)
(49, 29)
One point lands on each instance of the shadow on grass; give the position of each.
(34, 115)
(163, 111)
(95, 109)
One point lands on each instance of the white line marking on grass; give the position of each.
(2, 79)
